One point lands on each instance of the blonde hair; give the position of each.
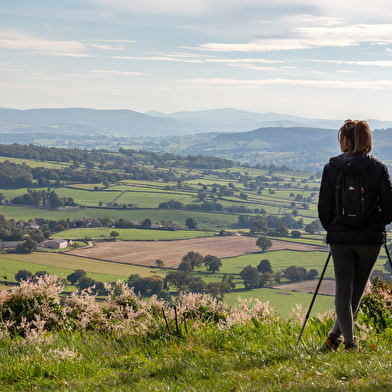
(358, 135)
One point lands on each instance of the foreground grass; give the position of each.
(249, 357)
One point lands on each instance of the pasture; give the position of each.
(285, 302)
(132, 234)
(63, 264)
(207, 221)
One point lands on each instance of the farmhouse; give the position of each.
(57, 243)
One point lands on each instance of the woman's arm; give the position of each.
(326, 203)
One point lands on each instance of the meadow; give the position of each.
(100, 233)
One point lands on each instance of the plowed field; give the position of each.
(171, 252)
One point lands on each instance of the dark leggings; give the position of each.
(353, 264)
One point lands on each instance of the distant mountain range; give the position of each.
(128, 123)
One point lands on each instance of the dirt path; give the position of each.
(171, 252)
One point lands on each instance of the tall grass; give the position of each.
(243, 348)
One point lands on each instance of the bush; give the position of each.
(23, 275)
(376, 306)
(35, 307)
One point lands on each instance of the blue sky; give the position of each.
(330, 59)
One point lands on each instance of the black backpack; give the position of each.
(354, 200)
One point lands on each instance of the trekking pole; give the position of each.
(314, 298)
(388, 255)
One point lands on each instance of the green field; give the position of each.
(284, 301)
(63, 264)
(132, 234)
(207, 221)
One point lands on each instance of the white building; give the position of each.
(57, 243)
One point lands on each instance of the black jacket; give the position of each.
(373, 228)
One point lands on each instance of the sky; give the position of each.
(311, 58)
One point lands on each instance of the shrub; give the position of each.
(376, 306)
(35, 307)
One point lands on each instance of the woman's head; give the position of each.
(355, 136)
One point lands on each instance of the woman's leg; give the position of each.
(366, 258)
(353, 264)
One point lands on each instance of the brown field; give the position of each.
(327, 287)
(170, 252)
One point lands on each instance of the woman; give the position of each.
(354, 249)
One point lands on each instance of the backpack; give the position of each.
(353, 199)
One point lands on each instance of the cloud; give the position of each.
(74, 48)
(20, 41)
(311, 37)
(252, 8)
(114, 72)
(375, 85)
(106, 47)
(350, 62)
(170, 57)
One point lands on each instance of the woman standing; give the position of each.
(354, 249)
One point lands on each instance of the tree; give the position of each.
(159, 263)
(264, 243)
(23, 275)
(228, 280)
(29, 244)
(312, 227)
(76, 276)
(296, 234)
(214, 288)
(281, 229)
(312, 274)
(146, 223)
(195, 258)
(54, 201)
(264, 267)
(192, 223)
(85, 283)
(38, 238)
(277, 276)
(201, 195)
(39, 274)
(251, 277)
(155, 285)
(164, 295)
(260, 225)
(185, 266)
(294, 274)
(212, 263)
(196, 284)
(114, 234)
(177, 278)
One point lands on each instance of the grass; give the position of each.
(258, 356)
(132, 234)
(284, 301)
(62, 265)
(207, 221)
(32, 163)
